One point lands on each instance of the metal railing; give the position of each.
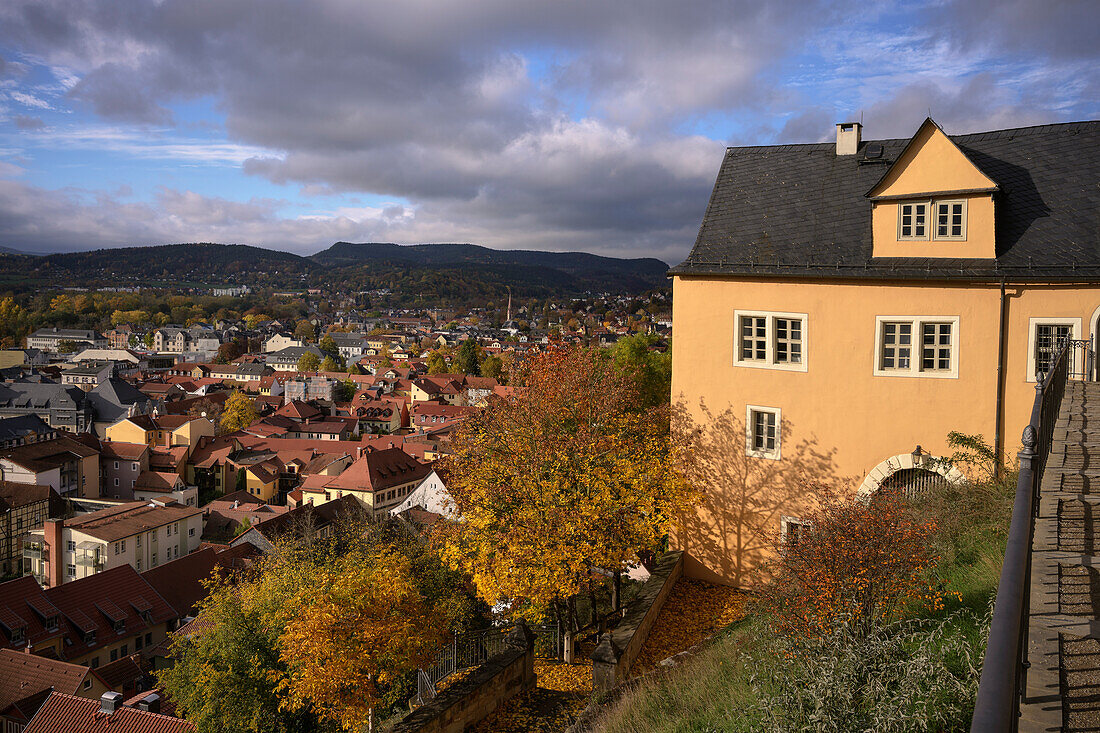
(1004, 671)
(474, 649)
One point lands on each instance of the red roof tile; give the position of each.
(68, 714)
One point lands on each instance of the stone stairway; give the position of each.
(1063, 685)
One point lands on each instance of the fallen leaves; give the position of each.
(693, 612)
(561, 696)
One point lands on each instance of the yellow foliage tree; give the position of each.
(361, 626)
(239, 412)
(567, 477)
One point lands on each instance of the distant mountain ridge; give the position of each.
(423, 268)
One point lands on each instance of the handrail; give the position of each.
(1004, 670)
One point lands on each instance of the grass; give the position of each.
(714, 691)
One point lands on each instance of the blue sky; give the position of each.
(569, 125)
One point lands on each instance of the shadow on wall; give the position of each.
(736, 526)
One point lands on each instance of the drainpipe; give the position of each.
(997, 428)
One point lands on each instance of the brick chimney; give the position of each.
(55, 563)
(848, 138)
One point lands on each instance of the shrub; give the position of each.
(860, 565)
(909, 675)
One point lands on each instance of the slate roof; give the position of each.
(20, 426)
(47, 454)
(802, 210)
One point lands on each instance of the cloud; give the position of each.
(27, 123)
(569, 124)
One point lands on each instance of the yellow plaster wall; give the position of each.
(125, 431)
(838, 403)
(980, 239)
(932, 163)
(266, 491)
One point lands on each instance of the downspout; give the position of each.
(997, 425)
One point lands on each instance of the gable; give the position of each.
(931, 163)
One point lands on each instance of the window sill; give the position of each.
(776, 367)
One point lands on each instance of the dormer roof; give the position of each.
(952, 171)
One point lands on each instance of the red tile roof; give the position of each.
(68, 714)
(84, 607)
(23, 675)
(123, 520)
(382, 469)
(23, 604)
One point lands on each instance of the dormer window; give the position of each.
(120, 626)
(913, 221)
(951, 220)
(18, 635)
(52, 622)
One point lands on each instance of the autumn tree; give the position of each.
(854, 563)
(305, 332)
(565, 477)
(227, 352)
(328, 347)
(492, 366)
(309, 362)
(360, 627)
(328, 365)
(437, 363)
(239, 412)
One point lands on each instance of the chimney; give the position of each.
(109, 702)
(52, 537)
(150, 703)
(848, 138)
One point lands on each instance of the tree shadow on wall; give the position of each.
(736, 525)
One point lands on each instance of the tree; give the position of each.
(359, 628)
(465, 360)
(255, 318)
(305, 331)
(567, 476)
(355, 369)
(437, 363)
(493, 366)
(227, 352)
(653, 370)
(309, 362)
(853, 564)
(239, 412)
(328, 365)
(328, 347)
(207, 408)
(66, 346)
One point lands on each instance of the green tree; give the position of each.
(329, 365)
(309, 362)
(66, 346)
(466, 359)
(239, 412)
(493, 366)
(652, 369)
(328, 347)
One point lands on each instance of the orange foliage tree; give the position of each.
(861, 564)
(360, 627)
(568, 475)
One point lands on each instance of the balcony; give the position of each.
(94, 562)
(34, 552)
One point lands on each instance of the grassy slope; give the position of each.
(714, 693)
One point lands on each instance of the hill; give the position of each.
(425, 272)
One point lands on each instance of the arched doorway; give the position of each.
(910, 473)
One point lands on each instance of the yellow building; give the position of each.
(844, 304)
(161, 430)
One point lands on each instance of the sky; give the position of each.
(591, 125)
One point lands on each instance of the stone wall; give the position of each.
(474, 697)
(618, 649)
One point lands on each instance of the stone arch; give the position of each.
(902, 462)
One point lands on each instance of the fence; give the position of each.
(474, 649)
(1004, 671)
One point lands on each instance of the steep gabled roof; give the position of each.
(68, 714)
(802, 211)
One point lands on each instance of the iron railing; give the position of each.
(474, 649)
(1004, 671)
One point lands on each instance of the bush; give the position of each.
(910, 675)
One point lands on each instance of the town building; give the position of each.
(379, 479)
(846, 305)
(49, 339)
(68, 466)
(22, 508)
(63, 407)
(26, 680)
(141, 534)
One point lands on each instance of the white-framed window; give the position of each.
(116, 481)
(942, 220)
(792, 530)
(116, 465)
(133, 466)
(913, 220)
(191, 532)
(763, 430)
(1045, 336)
(950, 220)
(70, 546)
(917, 346)
(70, 570)
(770, 340)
